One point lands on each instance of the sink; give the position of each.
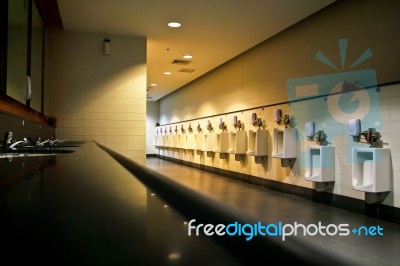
(31, 152)
(28, 147)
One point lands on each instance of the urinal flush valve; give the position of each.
(209, 126)
(319, 137)
(277, 115)
(371, 136)
(286, 121)
(238, 124)
(222, 125)
(258, 123)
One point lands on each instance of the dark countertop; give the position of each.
(84, 208)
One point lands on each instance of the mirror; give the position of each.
(17, 53)
(17, 49)
(36, 59)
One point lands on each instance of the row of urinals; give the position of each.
(251, 143)
(370, 166)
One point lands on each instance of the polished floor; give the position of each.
(272, 207)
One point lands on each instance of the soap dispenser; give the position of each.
(310, 129)
(354, 127)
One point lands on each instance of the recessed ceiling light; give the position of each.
(174, 24)
(187, 56)
(167, 73)
(153, 84)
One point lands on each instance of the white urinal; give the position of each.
(159, 141)
(170, 141)
(164, 142)
(284, 143)
(175, 143)
(257, 143)
(371, 169)
(211, 142)
(222, 145)
(182, 141)
(190, 142)
(238, 142)
(320, 163)
(200, 141)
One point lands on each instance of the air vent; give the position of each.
(180, 62)
(186, 70)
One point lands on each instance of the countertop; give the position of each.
(84, 208)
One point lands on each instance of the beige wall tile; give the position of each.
(116, 131)
(96, 115)
(95, 108)
(95, 131)
(73, 123)
(136, 143)
(136, 131)
(116, 100)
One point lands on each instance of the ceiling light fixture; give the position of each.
(167, 73)
(174, 24)
(153, 84)
(187, 56)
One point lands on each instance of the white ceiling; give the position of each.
(213, 31)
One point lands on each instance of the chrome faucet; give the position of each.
(9, 143)
(39, 142)
(54, 141)
(24, 141)
(7, 140)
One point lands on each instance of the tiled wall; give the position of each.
(98, 97)
(262, 76)
(294, 171)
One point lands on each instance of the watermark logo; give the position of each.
(280, 229)
(347, 92)
(332, 99)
